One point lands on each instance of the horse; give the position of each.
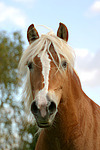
(68, 118)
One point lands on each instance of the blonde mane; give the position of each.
(42, 45)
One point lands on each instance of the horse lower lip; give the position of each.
(43, 125)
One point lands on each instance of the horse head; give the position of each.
(48, 68)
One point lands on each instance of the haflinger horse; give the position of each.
(69, 119)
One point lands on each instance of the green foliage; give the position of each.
(15, 132)
(10, 52)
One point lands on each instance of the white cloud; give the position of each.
(88, 76)
(88, 66)
(83, 53)
(95, 7)
(11, 14)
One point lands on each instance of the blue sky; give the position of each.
(83, 21)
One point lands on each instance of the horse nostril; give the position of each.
(52, 108)
(34, 108)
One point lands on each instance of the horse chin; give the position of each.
(45, 123)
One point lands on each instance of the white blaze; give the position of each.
(41, 95)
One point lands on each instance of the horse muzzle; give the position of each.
(44, 114)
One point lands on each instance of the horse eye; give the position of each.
(64, 64)
(30, 65)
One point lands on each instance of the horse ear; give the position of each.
(62, 32)
(32, 34)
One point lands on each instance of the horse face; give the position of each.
(46, 84)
